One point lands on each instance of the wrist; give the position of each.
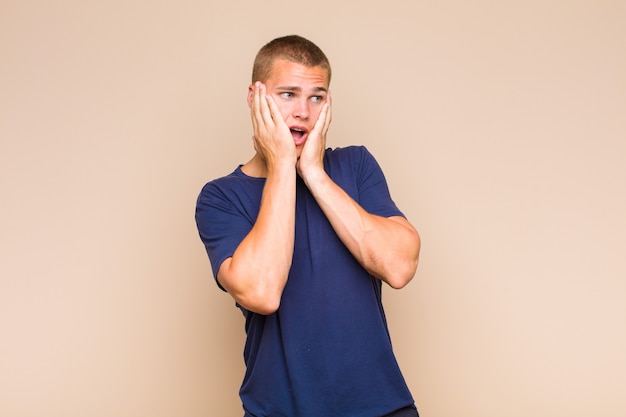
(283, 167)
(314, 176)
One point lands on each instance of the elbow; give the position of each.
(260, 301)
(397, 273)
(398, 284)
(400, 279)
(402, 274)
(258, 293)
(402, 270)
(265, 306)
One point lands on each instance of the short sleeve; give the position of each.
(225, 213)
(373, 191)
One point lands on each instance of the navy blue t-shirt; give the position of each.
(326, 352)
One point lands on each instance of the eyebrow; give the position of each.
(298, 89)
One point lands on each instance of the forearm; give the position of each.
(257, 272)
(388, 248)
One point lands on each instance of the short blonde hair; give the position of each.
(293, 48)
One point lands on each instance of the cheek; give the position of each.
(315, 112)
(285, 110)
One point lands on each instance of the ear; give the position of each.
(250, 95)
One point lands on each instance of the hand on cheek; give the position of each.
(272, 138)
(312, 156)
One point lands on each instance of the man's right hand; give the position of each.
(272, 138)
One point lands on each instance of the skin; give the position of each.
(298, 97)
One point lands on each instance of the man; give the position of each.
(302, 237)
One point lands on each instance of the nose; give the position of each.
(301, 110)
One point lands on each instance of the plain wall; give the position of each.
(501, 127)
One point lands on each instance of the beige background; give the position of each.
(500, 125)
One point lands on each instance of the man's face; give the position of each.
(299, 92)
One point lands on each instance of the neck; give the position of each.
(255, 167)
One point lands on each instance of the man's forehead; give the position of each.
(284, 70)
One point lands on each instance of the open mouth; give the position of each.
(298, 134)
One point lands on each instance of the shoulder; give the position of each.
(235, 182)
(357, 156)
(235, 194)
(228, 200)
(347, 152)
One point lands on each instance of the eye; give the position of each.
(286, 95)
(317, 99)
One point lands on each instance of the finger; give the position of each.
(277, 117)
(321, 125)
(263, 119)
(264, 109)
(255, 112)
(329, 113)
